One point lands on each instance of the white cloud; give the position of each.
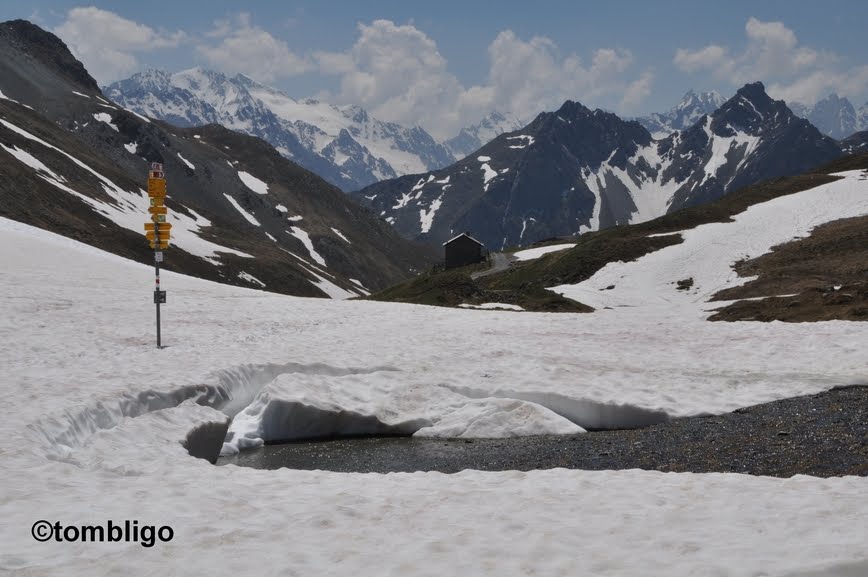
(398, 73)
(530, 76)
(820, 83)
(772, 54)
(711, 57)
(395, 71)
(107, 44)
(637, 91)
(235, 45)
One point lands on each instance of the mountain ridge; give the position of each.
(474, 136)
(683, 115)
(834, 116)
(820, 275)
(317, 135)
(576, 170)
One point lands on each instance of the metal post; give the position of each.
(157, 271)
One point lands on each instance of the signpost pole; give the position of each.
(157, 232)
(157, 279)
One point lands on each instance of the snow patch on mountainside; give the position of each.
(332, 290)
(421, 183)
(247, 216)
(534, 253)
(106, 118)
(251, 182)
(426, 217)
(341, 235)
(651, 194)
(187, 162)
(308, 244)
(321, 281)
(595, 181)
(487, 172)
(721, 146)
(34, 163)
(245, 276)
(528, 140)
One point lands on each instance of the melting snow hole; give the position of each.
(291, 402)
(228, 391)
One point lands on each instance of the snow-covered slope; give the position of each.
(683, 115)
(72, 162)
(708, 252)
(95, 419)
(472, 138)
(342, 144)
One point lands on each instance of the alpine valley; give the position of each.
(76, 164)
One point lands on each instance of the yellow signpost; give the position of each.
(158, 230)
(152, 235)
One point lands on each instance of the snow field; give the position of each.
(95, 418)
(709, 251)
(568, 365)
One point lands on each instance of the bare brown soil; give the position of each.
(821, 277)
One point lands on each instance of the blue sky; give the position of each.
(445, 64)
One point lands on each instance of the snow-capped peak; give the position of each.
(473, 137)
(834, 116)
(683, 115)
(310, 132)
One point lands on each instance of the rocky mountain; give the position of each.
(577, 170)
(834, 116)
(343, 144)
(856, 143)
(766, 254)
(475, 136)
(74, 163)
(684, 115)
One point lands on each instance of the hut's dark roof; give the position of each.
(454, 238)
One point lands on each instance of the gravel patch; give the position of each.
(823, 435)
